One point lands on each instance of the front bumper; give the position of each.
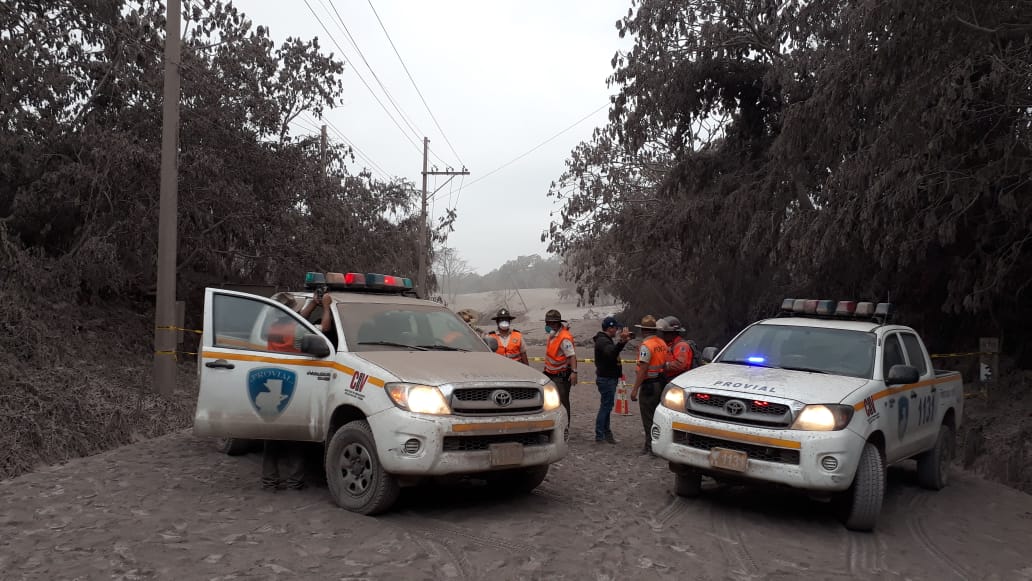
(789, 457)
(467, 440)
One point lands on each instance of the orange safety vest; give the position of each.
(514, 348)
(681, 353)
(659, 354)
(555, 360)
(282, 337)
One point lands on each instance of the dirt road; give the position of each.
(173, 508)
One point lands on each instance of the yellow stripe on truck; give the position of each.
(738, 437)
(504, 426)
(284, 361)
(894, 390)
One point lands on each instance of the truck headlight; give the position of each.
(673, 398)
(416, 398)
(551, 396)
(823, 418)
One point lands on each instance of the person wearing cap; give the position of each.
(560, 357)
(648, 379)
(607, 373)
(680, 358)
(510, 341)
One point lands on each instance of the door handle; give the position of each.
(221, 363)
(913, 395)
(933, 390)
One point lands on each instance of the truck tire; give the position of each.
(518, 480)
(687, 483)
(933, 466)
(861, 504)
(234, 446)
(355, 477)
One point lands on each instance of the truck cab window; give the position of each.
(893, 354)
(915, 353)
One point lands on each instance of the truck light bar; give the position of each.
(358, 281)
(882, 312)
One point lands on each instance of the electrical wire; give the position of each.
(361, 78)
(414, 85)
(533, 149)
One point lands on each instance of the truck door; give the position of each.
(254, 381)
(925, 416)
(899, 406)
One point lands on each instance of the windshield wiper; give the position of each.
(393, 344)
(807, 369)
(441, 347)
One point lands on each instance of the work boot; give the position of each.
(610, 438)
(270, 484)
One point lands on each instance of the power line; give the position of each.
(347, 33)
(361, 78)
(535, 148)
(414, 85)
(358, 151)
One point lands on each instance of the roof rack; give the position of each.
(881, 313)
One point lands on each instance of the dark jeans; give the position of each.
(562, 384)
(607, 393)
(648, 401)
(282, 453)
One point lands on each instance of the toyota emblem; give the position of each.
(501, 397)
(734, 407)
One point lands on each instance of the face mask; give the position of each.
(548, 329)
(503, 325)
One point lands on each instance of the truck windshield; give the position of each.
(814, 349)
(387, 327)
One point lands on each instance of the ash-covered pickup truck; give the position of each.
(399, 389)
(822, 399)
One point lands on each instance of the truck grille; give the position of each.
(477, 443)
(496, 400)
(755, 451)
(484, 393)
(754, 412)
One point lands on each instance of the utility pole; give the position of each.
(165, 309)
(423, 246)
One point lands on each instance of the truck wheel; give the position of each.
(354, 474)
(234, 446)
(687, 483)
(862, 503)
(518, 480)
(933, 466)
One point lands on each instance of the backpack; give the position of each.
(696, 355)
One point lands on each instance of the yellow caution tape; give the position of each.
(172, 328)
(971, 354)
(583, 360)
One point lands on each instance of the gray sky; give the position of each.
(500, 77)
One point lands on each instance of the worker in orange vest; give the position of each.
(681, 355)
(560, 357)
(648, 379)
(510, 341)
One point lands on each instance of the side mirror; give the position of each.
(709, 354)
(902, 375)
(492, 343)
(314, 345)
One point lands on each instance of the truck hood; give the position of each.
(441, 367)
(801, 386)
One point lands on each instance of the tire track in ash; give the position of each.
(673, 509)
(918, 506)
(434, 528)
(733, 543)
(460, 567)
(866, 554)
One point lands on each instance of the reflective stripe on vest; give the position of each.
(555, 360)
(513, 349)
(659, 351)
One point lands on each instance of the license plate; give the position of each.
(728, 459)
(508, 454)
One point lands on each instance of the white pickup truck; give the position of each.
(402, 390)
(822, 399)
